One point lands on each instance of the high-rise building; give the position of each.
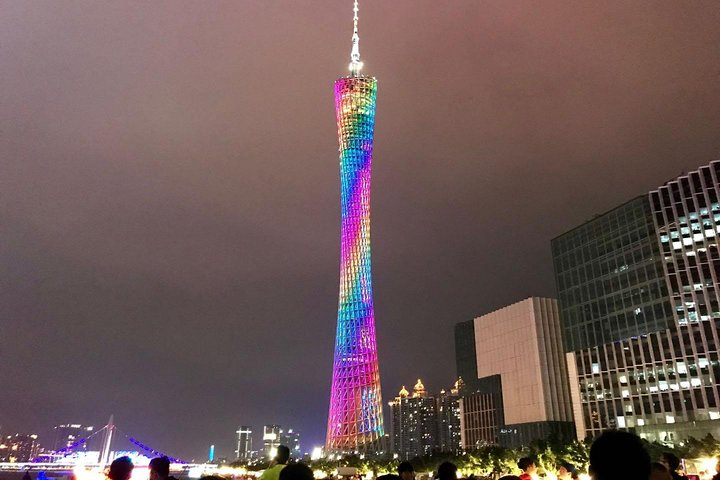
(243, 452)
(68, 434)
(481, 418)
(414, 423)
(397, 442)
(638, 291)
(291, 439)
(448, 417)
(19, 448)
(421, 423)
(355, 420)
(271, 439)
(465, 358)
(516, 387)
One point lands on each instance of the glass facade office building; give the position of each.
(639, 305)
(610, 279)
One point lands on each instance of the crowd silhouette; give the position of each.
(614, 455)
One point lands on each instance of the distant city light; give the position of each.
(316, 454)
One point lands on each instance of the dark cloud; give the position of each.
(169, 190)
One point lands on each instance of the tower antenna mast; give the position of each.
(355, 63)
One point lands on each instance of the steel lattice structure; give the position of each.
(355, 421)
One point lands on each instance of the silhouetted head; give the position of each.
(159, 468)
(565, 471)
(447, 471)
(658, 471)
(388, 476)
(121, 468)
(296, 471)
(406, 471)
(283, 454)
(670, 460)
(527, 465)
(617, 455)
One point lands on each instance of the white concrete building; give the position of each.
(513, 364)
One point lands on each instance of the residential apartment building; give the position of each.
(413, 423)
(448, 418)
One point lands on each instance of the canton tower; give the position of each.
(355, 421)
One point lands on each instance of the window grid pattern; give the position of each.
(478, 414)
(610, 279)
(664, 384)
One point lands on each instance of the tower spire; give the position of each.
(355, 63)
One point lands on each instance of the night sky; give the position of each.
(169, 189)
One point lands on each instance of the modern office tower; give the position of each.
(243, 452)
(291, 439)
(448, 417)
(414, 423)
(518, 383)
(638, 292)
(355, 421)
(68, 434)
(19, 448)
(271, 439)
(465, 357)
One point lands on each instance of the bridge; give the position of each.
(75, 461)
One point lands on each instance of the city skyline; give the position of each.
(169, 194)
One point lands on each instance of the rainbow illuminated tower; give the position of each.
(355, 421)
